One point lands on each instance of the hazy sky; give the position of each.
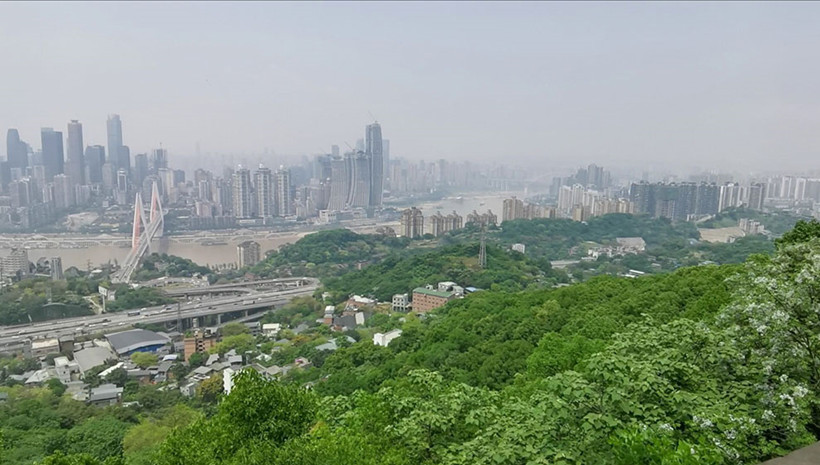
(711, 84)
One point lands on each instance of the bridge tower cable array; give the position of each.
(145, 230)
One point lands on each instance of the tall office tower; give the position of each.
(114, 132)
(386, 159)
(242, 193)
(282, 196)
(334, 150)
(514, 209)
(375, 154)
(76, 161)
(412, 223)
(125, 158)
(159, 160)
(52, 152)
(16, 150)
(339, 184)
(263, 187)
(63, 191)
(359, 166)
(140, 168)
(94, 161)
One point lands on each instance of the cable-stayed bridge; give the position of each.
(145, 229)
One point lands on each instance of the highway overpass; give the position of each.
(15, 338)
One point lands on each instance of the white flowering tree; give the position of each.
(774, 321)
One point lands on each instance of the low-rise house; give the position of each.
(42, 347)
(67, 371)
(271, 329)
(104, 395)
(425, 299)
(384, 339)
(401, 302)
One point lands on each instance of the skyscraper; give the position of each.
(52, 143)
(140, 168)
(94, 161)
(242, 193)
(114, 127)
(339, 184)
(375, 154)
(386, 159)
(282, 197)
(263, 186)
(360, 179)
(76, 160)
(159, 160)
(16, 150)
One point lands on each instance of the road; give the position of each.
(16, 336)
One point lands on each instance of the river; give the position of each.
(223, 250)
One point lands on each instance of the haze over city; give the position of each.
(661, 85)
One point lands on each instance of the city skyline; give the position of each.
(704, 85)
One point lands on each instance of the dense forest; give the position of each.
(705, 365)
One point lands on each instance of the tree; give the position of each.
(99, 437)
(774, 315)
(233, 329)
(210, 389)
(197, 359)
(118, 376)
(258, 412)
(144, 359)
(803, 231)
(56, 386)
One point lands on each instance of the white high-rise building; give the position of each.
(242, 207)
(282, 197)
(263, 186)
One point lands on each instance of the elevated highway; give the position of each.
(15, 338)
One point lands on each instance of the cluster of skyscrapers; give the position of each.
(39, 184)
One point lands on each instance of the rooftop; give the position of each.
(135, 339)
(432, 292)
(91, 357)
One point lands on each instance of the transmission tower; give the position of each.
(482, 251)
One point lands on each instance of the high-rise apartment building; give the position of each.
(76, 160)
(63, 191)
(513, 209)
(248, 253)
(94, 161)
(282, 194)
(15, 262)
(263, 192)
(441, 224)
(53, 161)
(374, 150)
(242, 207)
(412, 223)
